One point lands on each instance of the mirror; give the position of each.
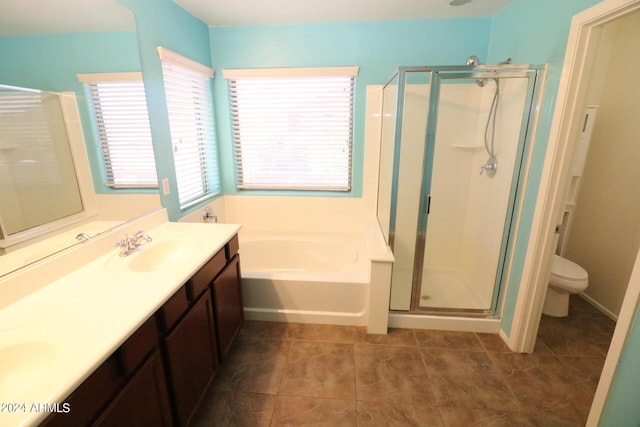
(36, 164)
(47, 54)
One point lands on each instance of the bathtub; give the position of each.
(307, 278)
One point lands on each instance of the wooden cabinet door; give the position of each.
(143, 402)
(228, 305)
(191, 357)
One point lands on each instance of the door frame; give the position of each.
(584, 36)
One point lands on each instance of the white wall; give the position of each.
(112, 207)
(605, 233)
(487, 203)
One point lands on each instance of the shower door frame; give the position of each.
(438, 75)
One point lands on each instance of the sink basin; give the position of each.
(23, 364)
(156, 255)
(28, 355)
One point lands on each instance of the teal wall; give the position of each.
(534, 32)
(622, 406)
(164, 23)
(50, 62)
(527, 31)
(378, 48)
(537, 32)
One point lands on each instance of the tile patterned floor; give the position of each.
(300, 375)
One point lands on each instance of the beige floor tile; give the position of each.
(296, 411)
(320, 369)
(254, 365)
(397, 414)
(327, 333)
(281, 374)
(448, 339)
(544, 385)
(222, 409)
(468, 379)
(392, 374)
(397, 336)
(463, 417)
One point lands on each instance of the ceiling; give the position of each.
(276, 12)
(23, 17)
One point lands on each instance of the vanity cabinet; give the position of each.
(191, 357)
(130, 379)
(228, 305)
(143, 402)
(161, 372)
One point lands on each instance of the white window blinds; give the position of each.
(190, 105)
(293, 127)
(120, 110)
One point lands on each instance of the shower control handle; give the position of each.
(490, 167)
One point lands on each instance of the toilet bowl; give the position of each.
(566, 278)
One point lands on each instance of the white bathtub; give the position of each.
(308, 278)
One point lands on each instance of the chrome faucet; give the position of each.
(82, 237)
(129, 245)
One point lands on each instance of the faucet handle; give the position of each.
(122, 242)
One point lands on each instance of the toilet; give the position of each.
(566, 278)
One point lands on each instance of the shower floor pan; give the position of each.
(450, 288)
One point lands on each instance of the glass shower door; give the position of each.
(474, 145)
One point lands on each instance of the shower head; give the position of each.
(473, 60)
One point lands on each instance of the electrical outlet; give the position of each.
(165, 187)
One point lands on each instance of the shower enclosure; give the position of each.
(454, 142)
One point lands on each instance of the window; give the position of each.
(293, 128)
(190, 105)
(120, 109)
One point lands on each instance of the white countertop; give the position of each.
(73, 323)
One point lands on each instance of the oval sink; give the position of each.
(28, 355)
(23, 364)
(155, 255)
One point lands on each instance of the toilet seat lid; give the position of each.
(568, 269)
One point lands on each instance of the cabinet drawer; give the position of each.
(201, 280)
(171, 311)
(232, 247)
(139, 345)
